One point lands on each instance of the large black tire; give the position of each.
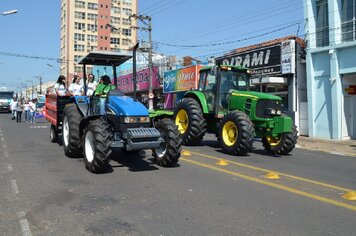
(96, 142)
(168, 154)
(53, 134)
(236, 133)
(70, 132)
(189, 118)
(283, 144)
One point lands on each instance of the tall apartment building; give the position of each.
(84, 28)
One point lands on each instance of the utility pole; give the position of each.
(40, 79)
(147, 20)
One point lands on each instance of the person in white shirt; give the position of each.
(33, 111)
(13, 106)
(91, 85)
(75, 88)
(60, 87)
(27, 110)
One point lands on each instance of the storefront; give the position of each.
(277, 67)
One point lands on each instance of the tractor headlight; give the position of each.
(135, 119)
(273, 112)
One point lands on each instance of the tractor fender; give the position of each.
(85, 121)
(82, 103)
(200, 98)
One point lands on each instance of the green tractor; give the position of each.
(223, 104)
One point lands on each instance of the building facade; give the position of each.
(84, 28)
(331, 68)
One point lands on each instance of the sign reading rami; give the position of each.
(262, 61)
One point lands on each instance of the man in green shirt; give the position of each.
(104, 86)
(101, 91)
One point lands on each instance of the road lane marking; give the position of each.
(2, 139)
(14, 186)
(274, 185)
(6, 154)
(25, 227)
(9, 167)
(279, 173)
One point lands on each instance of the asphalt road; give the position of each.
(209, 193)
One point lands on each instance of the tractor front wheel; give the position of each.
(189, 118)
(236, 133)
(97, 151)
(168, 153)
(281, 144)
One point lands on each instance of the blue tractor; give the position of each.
(93, 126)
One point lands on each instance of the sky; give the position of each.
(29, 39)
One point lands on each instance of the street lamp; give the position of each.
(5, 13)
(49, 65)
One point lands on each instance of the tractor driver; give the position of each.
(101, 91)
(104, 86)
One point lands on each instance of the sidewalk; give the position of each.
(345, 147)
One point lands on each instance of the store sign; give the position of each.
(125, 82)
(288, 57)
(181, 80)
(264, 61)
(351, 90)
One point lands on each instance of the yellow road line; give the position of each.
(282, 187)
(279, 173)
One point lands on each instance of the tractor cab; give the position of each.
(219, 82)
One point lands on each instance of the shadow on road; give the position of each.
(133, 160)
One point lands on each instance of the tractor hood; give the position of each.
(126, 106)
(254, 95)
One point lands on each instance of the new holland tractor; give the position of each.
(94, 126)
(223, 104)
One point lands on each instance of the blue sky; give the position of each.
(199, 28)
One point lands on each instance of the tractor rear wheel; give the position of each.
(97, 151)
(70, 133)
(168, 153)
(281, 144)
(236, 133)
(191, 124)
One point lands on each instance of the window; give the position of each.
(127, 2)
(77, 58)
(92, 38)
(348, 20)
(125, 42)
(115, 20)
(126, 11)
(322, 23)
(79, 15)
(78, 48)
(92, 6)
(79, 26)
(126, 32)
(92, 27)
(79, 4)
(114, 40)
(126, 21)
(115, 10)
(78, 69)
(79, 37)
(92, 16)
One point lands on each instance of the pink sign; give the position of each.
(125, 83)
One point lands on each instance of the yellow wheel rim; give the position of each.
(182, 121)
(273, 141)
(229, 133)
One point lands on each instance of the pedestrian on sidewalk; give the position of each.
(19, 109)
(13, 106)
(33, 111)
(27, 110)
